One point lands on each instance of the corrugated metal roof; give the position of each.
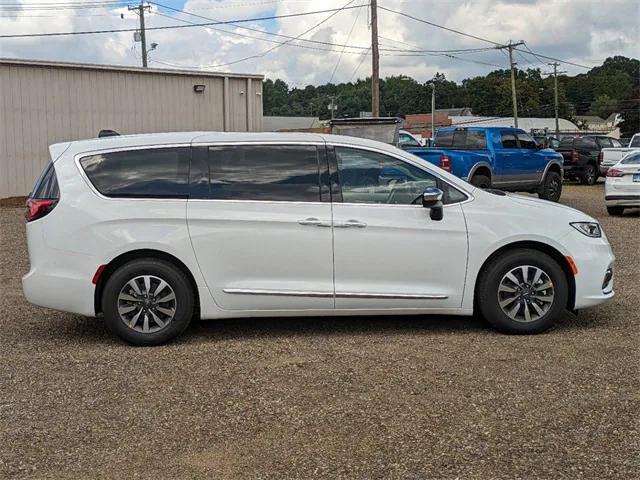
(122, 68)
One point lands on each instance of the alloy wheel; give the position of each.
(526, 293)
(146, 304)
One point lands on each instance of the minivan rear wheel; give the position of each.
(523, 291)
(147, 302)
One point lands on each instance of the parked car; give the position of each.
(582, 156)
(504, 158)
(152, 230)
(611, 156)
(622, 185)
(409, 140)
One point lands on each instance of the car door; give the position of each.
(259, 228)
(388, 252)
(532, 161)
(507, 167)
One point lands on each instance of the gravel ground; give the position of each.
(382, 397)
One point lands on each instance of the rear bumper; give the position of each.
(58, 279)
(622, 200)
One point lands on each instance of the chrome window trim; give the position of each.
(79, 156)
(463, 190)
(302, 293)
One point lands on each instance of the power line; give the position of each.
(479, 38)
(169, 27)
(335, 68)
(306, 40)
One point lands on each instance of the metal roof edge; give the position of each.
(123, 68)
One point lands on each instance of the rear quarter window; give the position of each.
(145, 173)
(46, 187)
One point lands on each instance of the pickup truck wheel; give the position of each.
(551, 187)
(589, 176)
(481, 181)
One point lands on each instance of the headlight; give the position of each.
(590, 229)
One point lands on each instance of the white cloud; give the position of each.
(581, 31)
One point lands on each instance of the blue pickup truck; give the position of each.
(496, 157)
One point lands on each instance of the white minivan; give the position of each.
(153, 230)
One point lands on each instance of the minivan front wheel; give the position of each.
(147, 302)
(523, 291)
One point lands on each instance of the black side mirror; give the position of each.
(432, 199)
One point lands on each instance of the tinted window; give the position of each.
(476, 140)
(370, 177)
(526, 141)
(264, 172)
(46, 186)
(635, 141)
(586, 143)
(149, 173)
(615, 143)
(605, 142)
(508, 140)
(444, 138)
(566, 142)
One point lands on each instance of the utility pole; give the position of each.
(514, 99)
(433, 108)
(555, 66)
(375, 61)
(332, 106)
(143, 38)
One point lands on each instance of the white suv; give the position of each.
(153, 230)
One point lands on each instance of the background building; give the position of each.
(48, 102)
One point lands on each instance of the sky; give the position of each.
(584, 32)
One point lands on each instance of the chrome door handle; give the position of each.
(313, 222)
(351, 224)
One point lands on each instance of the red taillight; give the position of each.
(38, 208)
(614, 172)
(574, 156)
(601, 156)
(445, 163)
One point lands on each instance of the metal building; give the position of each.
(48, 102)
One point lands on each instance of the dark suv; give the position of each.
(582, 156)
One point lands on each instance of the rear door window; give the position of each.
(508, 140)
(144, 173)
(586, 143)
(476, 140)
(264, 173)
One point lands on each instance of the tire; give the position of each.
(494, 276)
(481, 181)
(119, 297)
(551, 188)
(589, 176)
(615, 210)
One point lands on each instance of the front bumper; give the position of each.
(594, 259)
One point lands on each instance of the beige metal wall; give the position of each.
(45, 103)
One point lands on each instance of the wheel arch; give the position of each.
(541, 247)
(126, 257)
(480, 168)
